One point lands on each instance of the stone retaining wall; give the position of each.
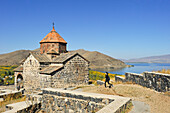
(120, 79)
(99, 82)
(157, 81)
(59, 104)
(57, 100)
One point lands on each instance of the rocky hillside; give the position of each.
(13, 58)
(97, 59)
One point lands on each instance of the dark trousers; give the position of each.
(107, 82)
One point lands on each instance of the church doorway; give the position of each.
(20, 81)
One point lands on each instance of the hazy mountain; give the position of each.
(152, 59)
(97, 59)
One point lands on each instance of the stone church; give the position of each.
(52, 66)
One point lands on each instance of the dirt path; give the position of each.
(140, 107)
(158, 102)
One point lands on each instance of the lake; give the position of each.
(140, 68)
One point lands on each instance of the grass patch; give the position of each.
(166, 71)
(9, 99)
(128, 107)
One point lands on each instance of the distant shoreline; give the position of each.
(150, 62)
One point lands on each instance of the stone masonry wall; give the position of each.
(58, 47)
(45, 47)
(65, 101)
(157, 81)
(59, 104)
(45, 81)
(75, 72)
(31, 74)
(120, 79)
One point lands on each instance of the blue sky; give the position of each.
(123, 29)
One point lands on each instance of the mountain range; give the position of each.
(97, 59)
(151, 59)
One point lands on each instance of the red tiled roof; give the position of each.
(53, 36)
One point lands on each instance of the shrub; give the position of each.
(5, 71)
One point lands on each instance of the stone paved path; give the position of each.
(18, 106)
(140, 107)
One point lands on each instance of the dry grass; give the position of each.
(158, 102)
(166, 71)
(129, 107)
(11, 99)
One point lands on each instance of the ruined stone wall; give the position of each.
(75, 72)
(157, 81)
(31, 74)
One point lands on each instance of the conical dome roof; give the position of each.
(53, 36)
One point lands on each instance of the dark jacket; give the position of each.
(107, 77)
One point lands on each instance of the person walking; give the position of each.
(107, 79)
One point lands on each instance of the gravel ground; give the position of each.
(158, 102)
(10, 87)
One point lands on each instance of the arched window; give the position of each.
(19, 78)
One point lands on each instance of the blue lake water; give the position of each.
(141, 67)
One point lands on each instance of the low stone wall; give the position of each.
(99, 82)
(120, 79)
(157, 81)
(120, 106)
(57, 100)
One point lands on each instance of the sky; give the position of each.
(123, 29)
